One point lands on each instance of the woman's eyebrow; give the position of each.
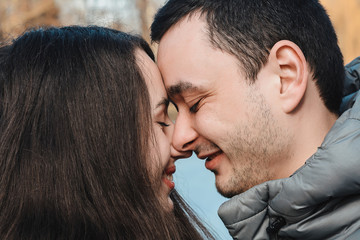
(163, 102)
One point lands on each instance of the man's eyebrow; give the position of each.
(180, 88)
(163, 101)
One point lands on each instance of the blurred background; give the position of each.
(196, 184)
(136, 16)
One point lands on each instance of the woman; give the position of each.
(84, 149)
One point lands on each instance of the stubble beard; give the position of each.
(253, 147)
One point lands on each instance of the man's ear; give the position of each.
(293, 72)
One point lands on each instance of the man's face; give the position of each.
(221, 116)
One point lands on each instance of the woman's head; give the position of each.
(83, 145)
(162, 130)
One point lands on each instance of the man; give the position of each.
(258, 85)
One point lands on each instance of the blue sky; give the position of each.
(196, 184)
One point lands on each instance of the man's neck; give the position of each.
(310, 125)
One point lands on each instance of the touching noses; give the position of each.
(183, 137)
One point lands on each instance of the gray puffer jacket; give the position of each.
(321, 200)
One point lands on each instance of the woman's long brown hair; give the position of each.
(74, 128)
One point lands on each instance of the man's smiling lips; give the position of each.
(212, 159)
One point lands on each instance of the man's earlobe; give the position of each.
(293, 73)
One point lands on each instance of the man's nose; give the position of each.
(175, 154)
(184, 135)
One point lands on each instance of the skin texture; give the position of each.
(248, 132)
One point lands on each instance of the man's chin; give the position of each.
(228, 188)
(228, 194)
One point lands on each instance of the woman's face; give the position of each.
(162, 127)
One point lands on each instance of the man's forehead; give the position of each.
(191, 22)
(188, 29)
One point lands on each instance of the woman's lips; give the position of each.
(170, 170)
(168, 182)
(168, 177)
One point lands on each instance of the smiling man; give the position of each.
(223, 117)
(258, 86)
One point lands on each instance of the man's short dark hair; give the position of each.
(248, 29)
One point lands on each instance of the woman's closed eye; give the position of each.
(163, 124)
